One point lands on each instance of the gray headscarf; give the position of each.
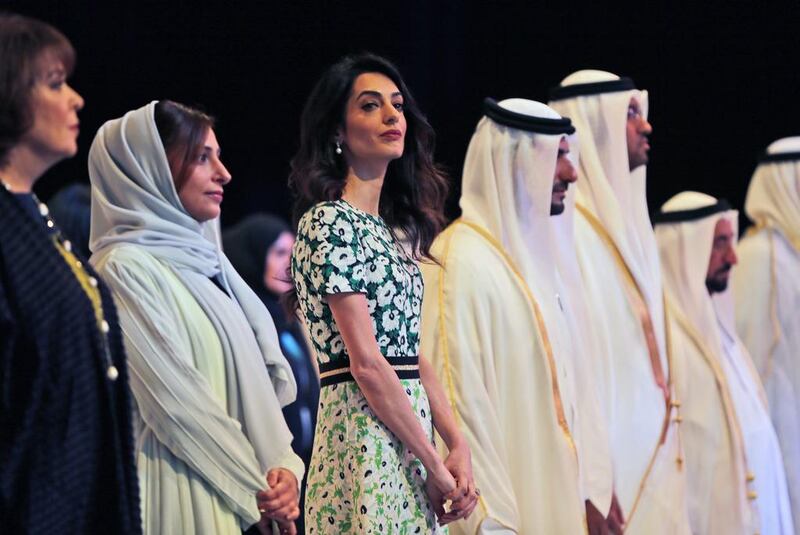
(134, 201)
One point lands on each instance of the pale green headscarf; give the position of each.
(134, 202)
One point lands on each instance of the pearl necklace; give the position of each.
(111, 371)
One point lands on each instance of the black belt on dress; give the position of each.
(338, 371)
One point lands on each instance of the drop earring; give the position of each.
(338, 147)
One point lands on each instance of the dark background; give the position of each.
(723, 76)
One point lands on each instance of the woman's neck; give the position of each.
(22, 171)
(363, 186)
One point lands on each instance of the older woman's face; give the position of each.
(276, 266)
(55, 105)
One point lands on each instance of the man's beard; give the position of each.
(719, 282)
(556, 209)
(716, 285)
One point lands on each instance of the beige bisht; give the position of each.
(498, 339)
(622, 280)
(720, 484)
(766, 284)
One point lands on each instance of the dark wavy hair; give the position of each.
(414, 188)
(24, 43)
(183, 132)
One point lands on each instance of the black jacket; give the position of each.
(66, 439)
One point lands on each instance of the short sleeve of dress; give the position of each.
(328, 251)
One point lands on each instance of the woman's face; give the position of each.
(277, 262)
(375, 127)
(55, 105)
(202, 191)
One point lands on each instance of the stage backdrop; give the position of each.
(723, 76)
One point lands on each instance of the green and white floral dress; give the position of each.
(362, 479)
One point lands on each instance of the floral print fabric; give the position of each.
(362, 479)
(341, 249)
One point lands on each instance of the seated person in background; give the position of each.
(71, 208)
(260, 248)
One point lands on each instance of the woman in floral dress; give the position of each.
(363, 171)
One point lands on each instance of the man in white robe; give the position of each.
(697, 236)
(503, 337)
(767, 289)
(720, 488)
(622, 282)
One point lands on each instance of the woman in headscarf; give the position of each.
(66, 446)
(260, 249)
(213, 450)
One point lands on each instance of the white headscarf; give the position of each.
(507, 189)
(507, 186)
(773, 197)
(134, 201)
(685, 249)
(606, 186)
